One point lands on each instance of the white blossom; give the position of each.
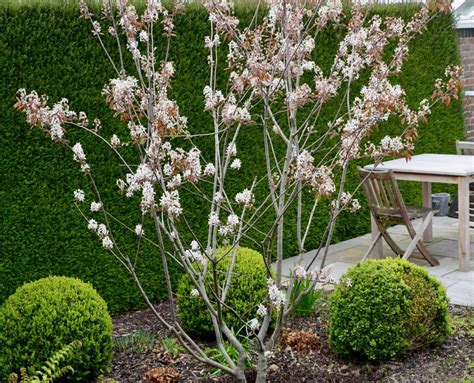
(115, 141)
(96, 206)
(236, 164)
(245, 197)
(209, 169)
(92, 225)
(254, 324)
(170, 204)
(107, 243)
(231, 150)
(148, 197)
(143, 36)
(262, 310)
(102, 231)
(218, 197)
(214, 219)
(232, 220)
(276, 296)
(79, 155)
(79, 195)
(299, 272)
(194, 293)
(139, 230)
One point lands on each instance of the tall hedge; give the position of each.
(49, 49)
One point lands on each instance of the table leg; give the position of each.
(426, 193)
(378, 248)
(463, 211)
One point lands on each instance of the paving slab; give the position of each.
(460, 285)
(461, 293)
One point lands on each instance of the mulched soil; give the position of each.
(303, 354)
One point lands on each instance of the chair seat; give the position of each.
(413, 212)
(419, 212)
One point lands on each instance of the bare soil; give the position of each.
(303, 354)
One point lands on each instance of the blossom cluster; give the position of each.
(318, 178)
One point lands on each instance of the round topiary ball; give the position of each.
(42, 317)
(382, 308)
(247, 289)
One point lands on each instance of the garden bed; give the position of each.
(138, 344)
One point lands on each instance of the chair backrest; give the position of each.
(382, 192)
(465, 147)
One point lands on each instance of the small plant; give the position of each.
(140, 341)
(216, 354)
(42, 316)
(52, 369)
(172, 347)
(382, 308)
(306, 305)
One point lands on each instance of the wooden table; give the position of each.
(442, 168)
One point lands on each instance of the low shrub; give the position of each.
(382, 308)
(246, 290)
(42, 317)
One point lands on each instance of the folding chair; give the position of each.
(387, 208)
(464, 148)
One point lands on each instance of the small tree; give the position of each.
(274, 85)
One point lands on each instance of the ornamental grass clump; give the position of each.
(247, 286)
(42, 317)
(382, 308)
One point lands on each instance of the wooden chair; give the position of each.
(387, 208)
(464, 148)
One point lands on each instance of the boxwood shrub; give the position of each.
(42, 317)
(248, 288)
(382, 308)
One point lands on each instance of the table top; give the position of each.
(439, 164)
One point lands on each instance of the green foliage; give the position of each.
(48, 48)
(216, 354)
(43, 316)
(172, 346)
(52, 369)
(305, 306)
(246, 290)
(139, 341)
(385, 308)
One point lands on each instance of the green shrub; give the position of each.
(42, 317)
(247, 289)
(382, 308)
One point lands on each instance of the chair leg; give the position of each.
(389, 240)
(416, 241)
(374, 243)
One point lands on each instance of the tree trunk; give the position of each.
(261, 369)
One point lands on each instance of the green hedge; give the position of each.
(49, 49)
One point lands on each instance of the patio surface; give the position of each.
(444, 246)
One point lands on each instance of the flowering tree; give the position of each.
(274, 85)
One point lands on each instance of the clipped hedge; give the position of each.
(49, 49)
(42, 317)
(385, 307)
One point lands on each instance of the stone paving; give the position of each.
(444, 246)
